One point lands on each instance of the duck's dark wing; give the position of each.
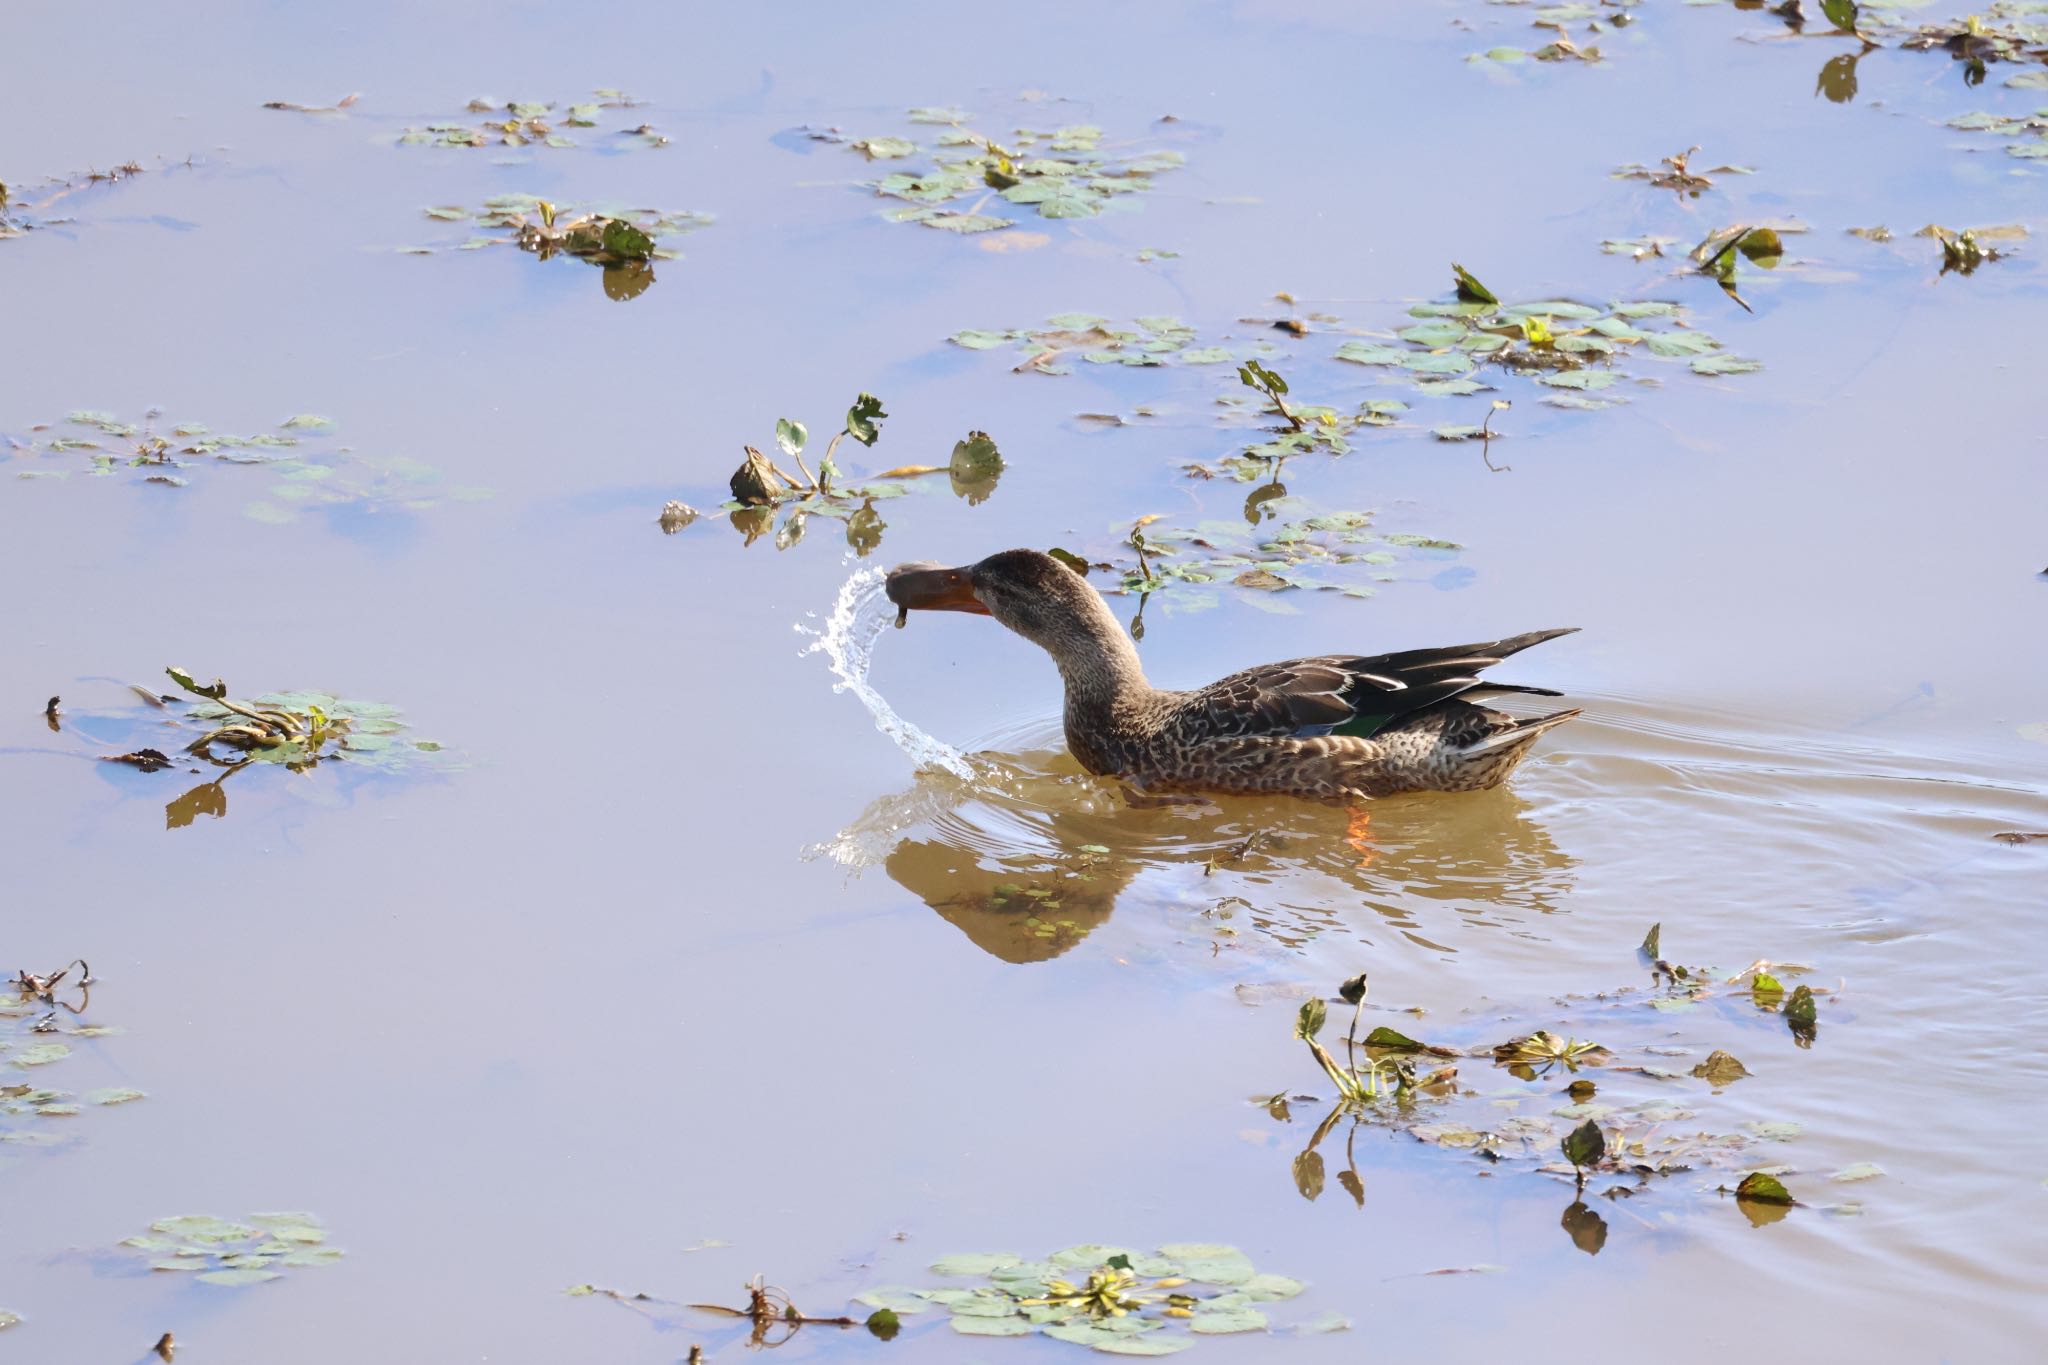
(1350, 694)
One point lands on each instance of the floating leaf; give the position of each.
(975, 1263)
(864, 419)
(1760, 1188)
(1209, 1262)
(1720, 1068)
(1800, 1010)
(1724, 364)
(1392, 1039)
(1221, 1321)
(1585, 1145)
(1469, 286)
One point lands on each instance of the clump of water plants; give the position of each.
(1625, 1111)
(623, 242)
(1573, 349)
(1117, 1300)
(530, 123)
(1282, 545)
(1962, 252)
(1091, 337)
(221, 1252)
(308, 470)
(1559, 49)
(296, 730)
(761, 487)
(38, 1012)
(2029, 132)
(949, 178)
(1677, 174)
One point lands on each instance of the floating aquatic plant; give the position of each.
(623, 242)
(297, 731)
(530, 123)
(761, 488)
(1593, 1131)
(1158, 340)
(1574, 350)
(1117, 1300)
(950, 178)
(217, 1251)
(1283, 544)
(1676, 173)
(306, 469)
(38, 1012)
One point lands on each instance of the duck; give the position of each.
(1336, 728)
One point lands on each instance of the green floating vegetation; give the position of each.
(1284, 545)
(531, 123)
(298, 730)
(1677, 174)
(1962, 252)
(624, 242)
(1117, 1300)
(1562, 49)
(1575, 350)
(217, 1251)
(2028, 132)
(307, 470)
(37, 1013)
(1156, 340)
(954, 175)
(761, 488)
(1637, 1124)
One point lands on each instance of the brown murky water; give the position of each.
(676, 970)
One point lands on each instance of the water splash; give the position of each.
(859, 616)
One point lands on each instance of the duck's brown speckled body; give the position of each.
(1334, 728)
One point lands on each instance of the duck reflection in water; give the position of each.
(1032, 855)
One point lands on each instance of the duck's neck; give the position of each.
(1100, 666)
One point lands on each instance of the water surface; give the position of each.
(685, 950)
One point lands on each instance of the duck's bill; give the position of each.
(928, 587)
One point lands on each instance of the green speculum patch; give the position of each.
(306, 468)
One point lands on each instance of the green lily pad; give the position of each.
(992, 1327)
(975, 1262)
(1210, 1262)
(238, 1277)
(1219, 1322)
(1724, 364)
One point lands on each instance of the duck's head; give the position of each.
(1032, 593)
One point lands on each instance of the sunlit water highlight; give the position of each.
(859, 616)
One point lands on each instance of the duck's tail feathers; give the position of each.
(1486, 688)
(1521, 732)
